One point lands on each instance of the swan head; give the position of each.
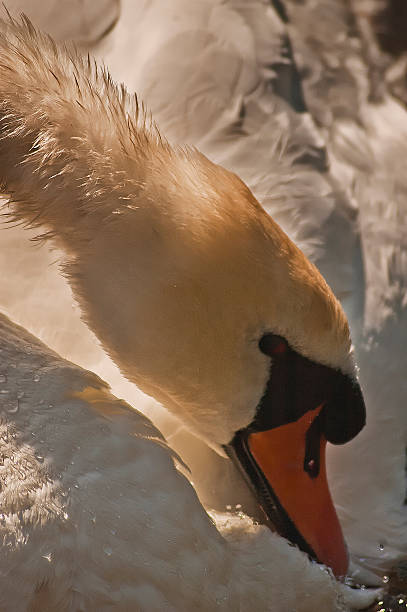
(206, 304)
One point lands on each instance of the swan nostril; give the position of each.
(312, 468)
(313, 447)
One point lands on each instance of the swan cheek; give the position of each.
(294, 490)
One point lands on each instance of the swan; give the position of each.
(329, 171)
(344, 203)
(168, 219)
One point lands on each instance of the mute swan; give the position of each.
(332, 177)
(168, 219)
(235, 93)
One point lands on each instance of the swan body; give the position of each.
(95, 515)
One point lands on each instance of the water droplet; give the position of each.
(3, 378)
(36, 378)
(76, 485)
(381, 547)
(108, 551)
(66, 516)
(93, 520)
(385, 579)
(20, 395)
(228, 507)
(39, 458)
(47, 557)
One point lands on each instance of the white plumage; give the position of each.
(250, 110)
(95, 516)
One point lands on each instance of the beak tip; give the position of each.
(335, 554)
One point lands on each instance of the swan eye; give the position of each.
(273, 345)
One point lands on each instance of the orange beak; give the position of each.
(282, 451)
(301, 491)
